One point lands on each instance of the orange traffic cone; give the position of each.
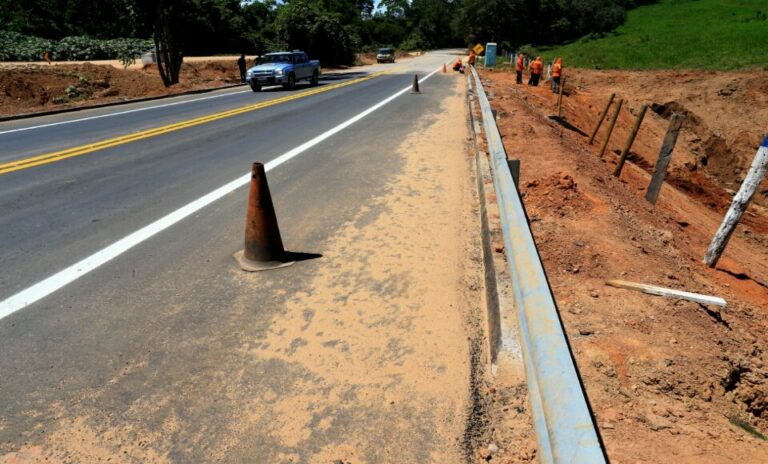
(445, 70)
(263, 245)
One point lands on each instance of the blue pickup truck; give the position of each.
(284, 68)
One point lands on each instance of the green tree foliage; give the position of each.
(433, 19)
(329, 30)
(304, 24)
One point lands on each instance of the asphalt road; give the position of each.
(159, 323)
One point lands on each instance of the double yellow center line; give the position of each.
(113, 142)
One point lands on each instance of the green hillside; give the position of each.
(679, 34)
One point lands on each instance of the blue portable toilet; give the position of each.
(490, 54)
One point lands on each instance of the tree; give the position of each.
(302, 24)
(433, 19)
(168, 21)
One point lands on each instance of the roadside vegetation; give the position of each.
(677, 34)
(636, 34)
(329, 30)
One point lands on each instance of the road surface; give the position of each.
(128, 334)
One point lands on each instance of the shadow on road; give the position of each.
(300, 256)
(342, 75)
(324, 80)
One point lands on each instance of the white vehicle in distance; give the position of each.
(385, 55)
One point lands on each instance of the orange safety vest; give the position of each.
(519, 65)
(537, 66)
(557, 68)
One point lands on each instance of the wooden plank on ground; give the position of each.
(668, 292)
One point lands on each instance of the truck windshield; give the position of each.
(282, 58)
(385, 51)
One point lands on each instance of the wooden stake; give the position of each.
(560, 98)
(665, 155)
(630, 141)
(602, 116)
(739, 205)
(610, 127)
(668, 292)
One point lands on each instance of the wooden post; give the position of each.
(739, 205)
(630, 141)
(602, 116)
(665, 155)
(560, 98)
(610, 126)
(514, 169)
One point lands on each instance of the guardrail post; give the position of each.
(600, 120)
(514, 169)
(610, 128)
(739, 205)
(560, 97)
(665, 155)
(630, 141)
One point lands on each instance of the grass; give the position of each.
(678, 34)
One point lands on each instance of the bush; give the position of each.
(18, 47)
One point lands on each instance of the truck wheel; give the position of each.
(315, 78)
(291, 82)
(256, 87)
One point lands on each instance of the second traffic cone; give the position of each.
(263, 245)
(415, 88)
(445, 70)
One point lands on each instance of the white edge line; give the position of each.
(90, 118)
(68, 275)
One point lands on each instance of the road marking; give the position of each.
(53, 157)
(66, 276)
(90, 118)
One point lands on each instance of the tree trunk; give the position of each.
(167, 46)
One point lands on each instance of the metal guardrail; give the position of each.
(564, 429)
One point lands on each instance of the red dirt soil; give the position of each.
(666, 378)
(39, 88)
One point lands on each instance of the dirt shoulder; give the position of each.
(667, 379)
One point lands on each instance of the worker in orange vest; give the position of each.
(536, 67)
(557, 71)
(519, 68)
(471, 59)
(457, 65)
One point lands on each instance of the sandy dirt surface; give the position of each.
(382, 353)
(667, 379)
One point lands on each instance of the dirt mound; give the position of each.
(668, 380)
(39, 88)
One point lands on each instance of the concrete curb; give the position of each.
(564, 427)
(115, 103)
